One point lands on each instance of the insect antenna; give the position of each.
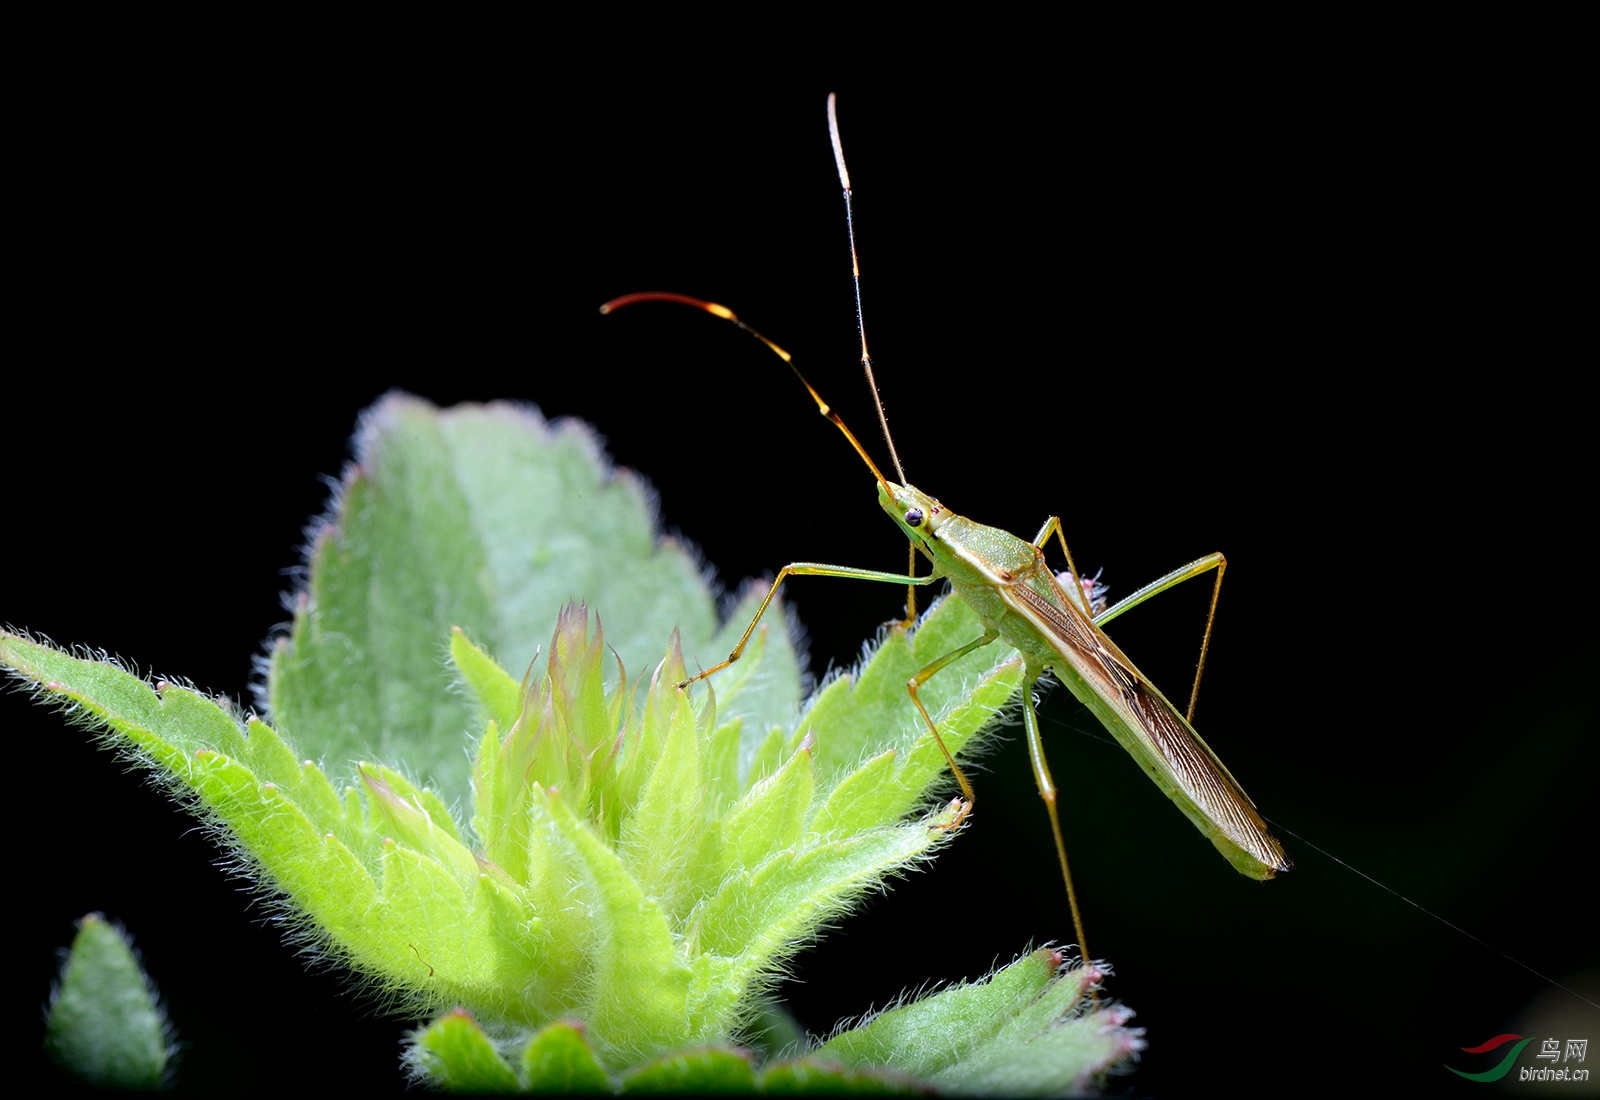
(722, 311)
(855, 275)
(861, 330)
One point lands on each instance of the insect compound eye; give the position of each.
(914, 518)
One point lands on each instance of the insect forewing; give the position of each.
(1153, 732)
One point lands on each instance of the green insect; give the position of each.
(1053, 621)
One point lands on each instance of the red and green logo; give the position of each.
(1500, 1070)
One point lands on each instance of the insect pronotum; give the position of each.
(1053, 622)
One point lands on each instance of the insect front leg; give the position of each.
(916, 682)
(806, 569)
(911, 594)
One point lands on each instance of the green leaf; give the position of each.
(496, 691)
(486, 518)
(558, 1062)
(821, 1077)
(857, 716)
(641, 983)
(714, 1071)
(455, 1054)
(105, 1027)
(661, 835)
(1029, 1029)
(770, 816)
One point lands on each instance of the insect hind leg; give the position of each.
(1161, 584)
(1081, 595)
(1047, 791)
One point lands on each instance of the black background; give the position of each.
(1323, 320)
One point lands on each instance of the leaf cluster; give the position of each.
(629, 856)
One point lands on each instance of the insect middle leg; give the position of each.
(915, 683)
(1155, 587)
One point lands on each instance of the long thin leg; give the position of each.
(1160, 585)
(1047, 791)
(916, 682)
(1178, 576)
(911, 593)
(806, 569)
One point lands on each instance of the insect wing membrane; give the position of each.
(1154, 734)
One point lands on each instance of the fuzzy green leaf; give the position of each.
(496, 691)
(649, 963)
(821, 1077)
(770, 816)
(714, 1071)
(661, 835)
(641, 984)
(857, 716)
(487, 518)
(105, 1027)
(558, 1062)
(1029, 1029)
(455, 1054)
(762, 912)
